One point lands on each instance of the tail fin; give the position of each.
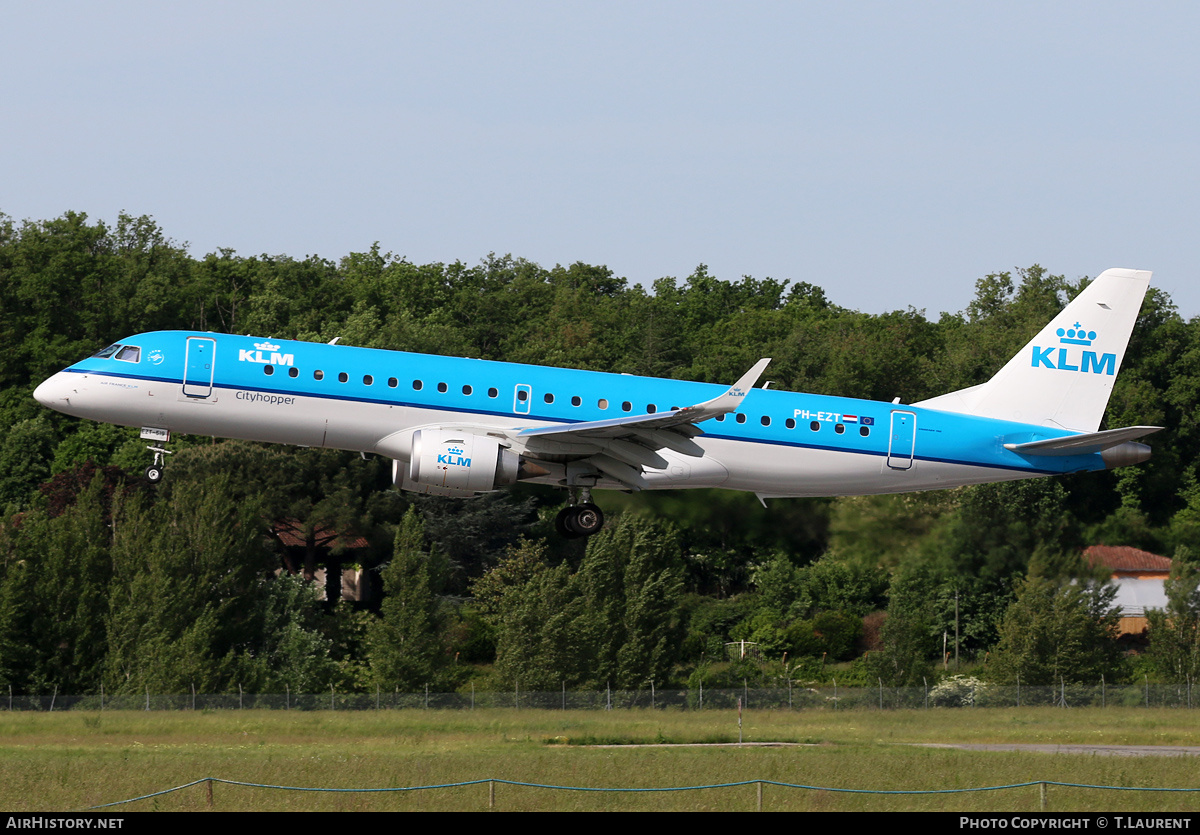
(1065, 375)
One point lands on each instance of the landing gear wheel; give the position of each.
(587, 519)
(154, 474)
(562, 523)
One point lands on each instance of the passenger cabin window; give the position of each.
(417, 384)
(548, 397)
(602, 404)
(318, 375)
(766, 421)
(576, 401)
(130, 353)
(493, 392)
(467, 390)
(368, 380)
(293, 371)
(839, 428)
(864, 431)
(393, 382)
(442, 387)
(626, 406)
(651, 409)
(268, 370)
(343, 376)
(790, 423)
(815, 426)
(522, 395)
(741, 418)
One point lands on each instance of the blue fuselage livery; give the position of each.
(459, 427)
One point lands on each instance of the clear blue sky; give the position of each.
(891, 153)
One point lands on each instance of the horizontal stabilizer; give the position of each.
(1083, 444)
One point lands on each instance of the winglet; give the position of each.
(733, 396)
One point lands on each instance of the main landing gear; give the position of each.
(582, 519)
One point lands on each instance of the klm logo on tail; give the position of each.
(1072, 359)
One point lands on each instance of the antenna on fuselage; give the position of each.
(333, 341)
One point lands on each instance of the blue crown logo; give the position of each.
(1075, 335)
(454, 450)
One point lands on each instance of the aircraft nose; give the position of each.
(54, 393)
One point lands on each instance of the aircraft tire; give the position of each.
(588, 519)
(562, 523)
(154, 474)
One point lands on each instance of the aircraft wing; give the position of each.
(621, 447)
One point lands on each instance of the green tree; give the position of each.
(53, 598)
(535, 610)
(908, 635)
(1057, 631)
(1175, 632)
(407, 644)
(186, 600)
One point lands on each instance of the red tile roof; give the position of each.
(1125, 558)
(291, 534)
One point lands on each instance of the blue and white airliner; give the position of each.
(460, 427)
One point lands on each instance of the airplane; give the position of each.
(461, 427)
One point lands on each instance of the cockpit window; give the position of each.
(130, 353)
(105, 353)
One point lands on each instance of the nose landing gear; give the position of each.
(154, 473)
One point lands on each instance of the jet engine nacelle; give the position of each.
(448, 462)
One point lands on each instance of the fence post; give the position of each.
(739, 721)
(491, 794)
(1042, 792)
(880, 680)
(759, 809)
(208, 794)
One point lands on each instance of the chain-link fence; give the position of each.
(969, 694)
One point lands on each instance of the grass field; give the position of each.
(76, 760)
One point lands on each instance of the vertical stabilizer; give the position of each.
(1064, 376)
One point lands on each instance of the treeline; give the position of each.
(106, 582)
